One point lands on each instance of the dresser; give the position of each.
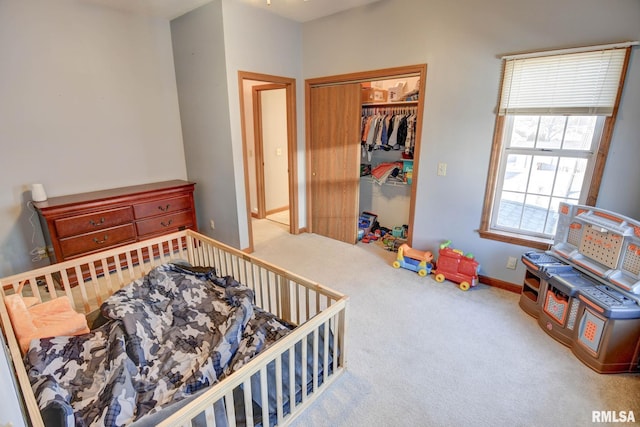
(80, 224)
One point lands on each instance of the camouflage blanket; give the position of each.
(165, 337)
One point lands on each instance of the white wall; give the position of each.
(461, 42)
(88, 101)
(274, 143)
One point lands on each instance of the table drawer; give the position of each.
(80, 224)
(164, 224)
(162, 207)
(97, 241)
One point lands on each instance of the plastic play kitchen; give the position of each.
(585, 290)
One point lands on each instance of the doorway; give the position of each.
(271, 158)
(268, 122)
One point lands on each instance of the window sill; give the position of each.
(516, 239)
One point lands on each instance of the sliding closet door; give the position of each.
(335, 161)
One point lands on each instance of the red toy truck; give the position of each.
(454, 265)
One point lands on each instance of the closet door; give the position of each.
(335, 160)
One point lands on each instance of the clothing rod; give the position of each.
(571, 50)
(384, 107)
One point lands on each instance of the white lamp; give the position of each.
(37, 193)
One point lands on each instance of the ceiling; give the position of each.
(296, 10)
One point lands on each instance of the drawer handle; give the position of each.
(166, 224)
(95, 224)
(99, 242)
(164, 209)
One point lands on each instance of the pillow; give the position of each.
(48, 319)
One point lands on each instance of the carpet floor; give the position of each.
(422, 353)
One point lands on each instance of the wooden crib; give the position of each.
(318, 312)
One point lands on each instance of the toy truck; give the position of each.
(457, 267)
(414, 260)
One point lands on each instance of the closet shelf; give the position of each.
(368, 178)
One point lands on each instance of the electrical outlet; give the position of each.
(212, 224)
(38, 253)
(442, 169)
(512, 262)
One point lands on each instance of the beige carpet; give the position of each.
(422, 353)
(281, 217)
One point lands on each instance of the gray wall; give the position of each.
(261, 42)
(88, 101)
(199, 52)
(461, 42)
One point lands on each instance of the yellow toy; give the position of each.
(414, 260)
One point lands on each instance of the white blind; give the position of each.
(572, 83)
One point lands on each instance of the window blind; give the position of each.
(583, 83)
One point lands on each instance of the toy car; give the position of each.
(414, 260)
(457, 267)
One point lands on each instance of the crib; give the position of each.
(318, 313)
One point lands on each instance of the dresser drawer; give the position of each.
(80, 224)
(97, 241)
(161, 207)
(164, 224)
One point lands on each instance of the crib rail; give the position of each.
(319, 311)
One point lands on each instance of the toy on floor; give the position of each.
(391, 243)
(371, 237)
(414, 260)
(367, 224)
(457, 267)
(400, 231)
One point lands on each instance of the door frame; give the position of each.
(359, 77)
(289, 85)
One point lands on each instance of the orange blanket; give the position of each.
(53, 318)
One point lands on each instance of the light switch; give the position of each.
(442, 169)
(278, 151)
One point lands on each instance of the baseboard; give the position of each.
(276, 210)
(501, 284)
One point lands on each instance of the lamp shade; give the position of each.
(37, 193)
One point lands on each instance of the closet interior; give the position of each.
(388, 134)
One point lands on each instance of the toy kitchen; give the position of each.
(585, 290)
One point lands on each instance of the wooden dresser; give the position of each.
(80, 224)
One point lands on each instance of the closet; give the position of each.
(388, 141)
(336, 107)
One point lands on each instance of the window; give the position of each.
(553, 130)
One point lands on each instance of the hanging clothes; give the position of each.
(388, 128)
